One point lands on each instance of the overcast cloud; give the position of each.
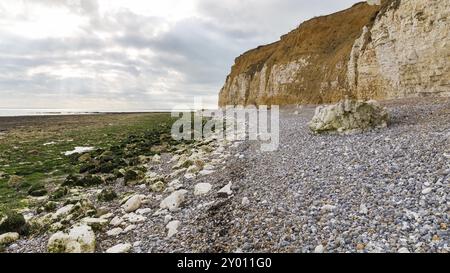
(133, 54)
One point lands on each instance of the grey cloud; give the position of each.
(191, 58)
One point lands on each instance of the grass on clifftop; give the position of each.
(33, 147)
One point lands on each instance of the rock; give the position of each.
(360, 247)
(114, 231)
(319, 249)
(157, 187)
(144, 211)
(95, 223)
(328, 208)
(134, 218)
(206, 172)
(167, 219)
(83, 181)
(129, 228)
(116, 221)
(172, 228)
(132, 204)
(225, 191)
(349, 115)
(11, 221)
(363, 209)
(9, 238)
(132, 177)
(176, 184)
(202, 188)
(174, 200)
(63, 212)
(189, 176)
(403, 250)
(427, 191)
(156, 159)
(84, 158)
(80, 239)
(107, 195)
(245, 201)
(120, 248)
(37, 190)
(183, 163)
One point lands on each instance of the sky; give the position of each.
(125, 55)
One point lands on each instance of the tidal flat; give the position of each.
(32, 149)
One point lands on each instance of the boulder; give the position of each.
(133, 203)
(349, 116)
(9, 238)
(174, 200)
(13, 222)
(79, 239)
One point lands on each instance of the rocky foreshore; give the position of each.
(383, 190)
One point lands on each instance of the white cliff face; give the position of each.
(263, 84)
(405, 53)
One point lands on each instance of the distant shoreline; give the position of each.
(32, 113)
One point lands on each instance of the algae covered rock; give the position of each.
(11, 221)
(107, 195)
(349, 116)
(79, 239)
(9, 238)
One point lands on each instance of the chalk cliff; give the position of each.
(400, 48)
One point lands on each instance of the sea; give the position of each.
(56, 112)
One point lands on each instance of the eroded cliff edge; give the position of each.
(400, 48)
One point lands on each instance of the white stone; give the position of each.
(363, 209)
(8, 238)
(206, 172)
(167, 219)
(116, 221)
(120, 248)
(176, 184)
(202, 188)
(63, 212)
(319, 249)
(427, 191)
(134, 218)
(189, 176)
(226, 190)
(172, 228)
(245, 201)
(107, 216)
(144, 211)
(174, 200)
(328, 208)
(129, 228)
(114, 231)
(79, 150)
(403, 250)
(133, 203)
